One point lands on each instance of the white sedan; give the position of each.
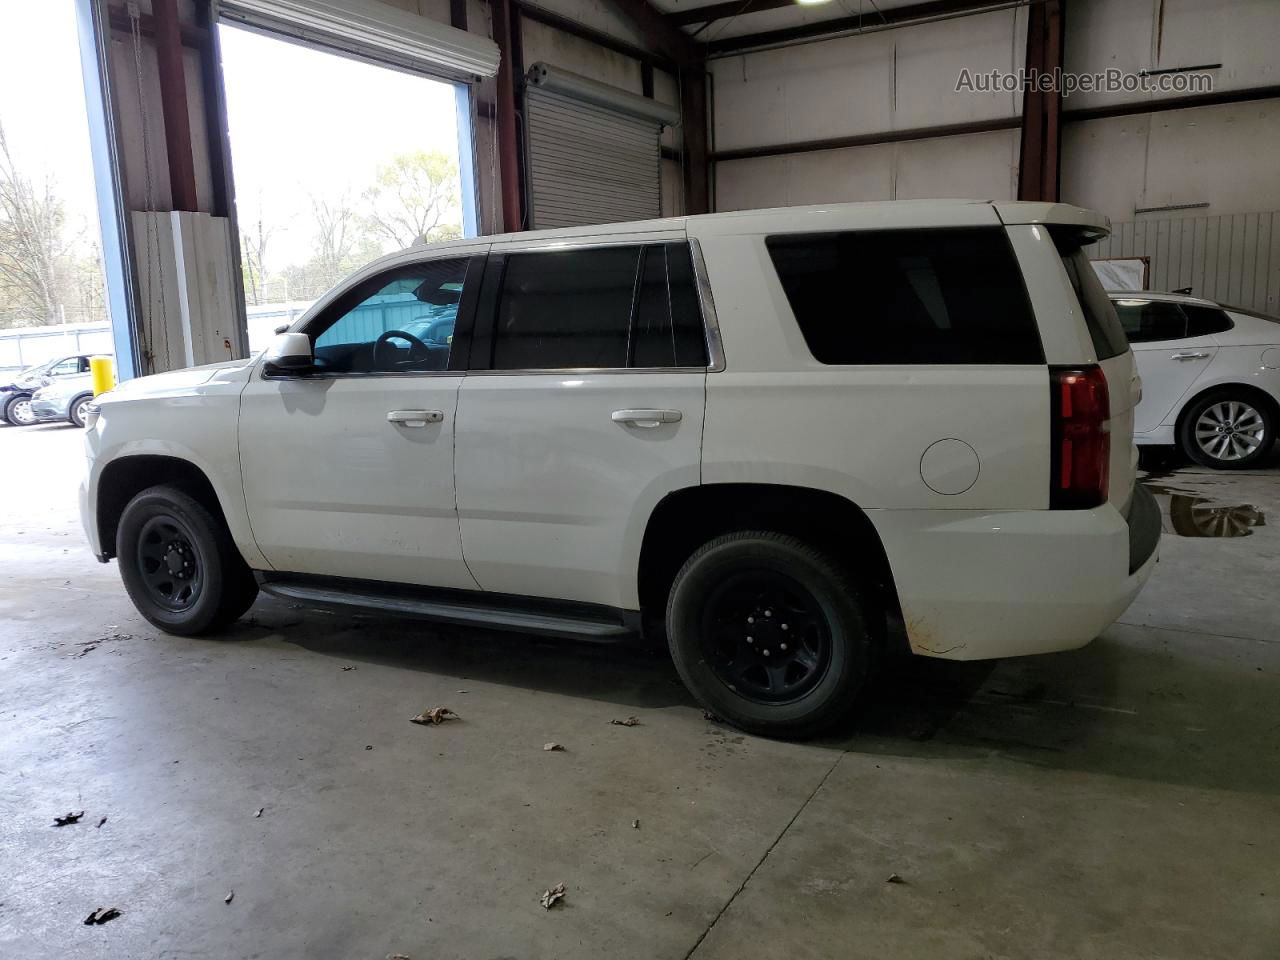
(1210, 376)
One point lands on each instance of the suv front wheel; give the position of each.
(769, 634)
(179, 564)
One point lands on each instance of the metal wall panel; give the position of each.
(1233, 258)
(588, 164)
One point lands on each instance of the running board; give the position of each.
(459, 607)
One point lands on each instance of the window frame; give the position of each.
(479, 344)
(365, 285)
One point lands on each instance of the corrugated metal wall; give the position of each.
(1232, 258)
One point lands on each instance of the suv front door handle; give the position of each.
(646, 418)
(415, 418)
(1190, 355)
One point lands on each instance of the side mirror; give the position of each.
(290, 353)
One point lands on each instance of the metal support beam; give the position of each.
(1040, 158)
(173, 103)
(658, 32)
(505, 18)
(695, 158)
(866, 22)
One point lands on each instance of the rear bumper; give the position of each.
(975, 585)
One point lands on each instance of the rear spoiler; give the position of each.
(1089, 224)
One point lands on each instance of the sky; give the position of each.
(42, 100)
(306, 122)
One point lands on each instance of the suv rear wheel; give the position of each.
(1227, 429)
(179, 565)
(769, 634)
(76, 415)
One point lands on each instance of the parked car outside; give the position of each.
(1210, 376)
(15, 395)
(63, 398)
(764, 435)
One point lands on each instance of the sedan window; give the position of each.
(1145, 321)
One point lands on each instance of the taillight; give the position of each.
(1081, 458)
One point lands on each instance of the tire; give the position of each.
(76, 412)
(1228, 430)
(17, 410)
(734, 584)
(179, 564)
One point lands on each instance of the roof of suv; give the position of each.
(1009, 212)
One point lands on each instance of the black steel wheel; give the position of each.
(769, 633)
(179, 564)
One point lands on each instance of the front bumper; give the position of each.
(975, 585)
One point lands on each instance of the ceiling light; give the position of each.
(811, 3)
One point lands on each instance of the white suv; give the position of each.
(768, 434)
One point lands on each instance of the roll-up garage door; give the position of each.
(375, 30)
(591, 150)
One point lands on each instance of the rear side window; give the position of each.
(1145, 321)
(1099, 316)
(908, 296)
(1203, 321)
(605, 307)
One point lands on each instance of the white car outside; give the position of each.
(1210, 376)
(765, 434)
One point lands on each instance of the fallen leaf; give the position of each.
(708, 715)
(635, 824)
(398, 956)
(68, 819)
(894, 878)
(101, 822)
(231, 895)
(629, 722)
(553, 896)
(435, 715)
(553, 746)
(345, 669)
(101, 915)
(259, 813)
(368, 746)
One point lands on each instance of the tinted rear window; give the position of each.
(1145, 321)
(1203, 321)
(1099, 315)
(908, 296)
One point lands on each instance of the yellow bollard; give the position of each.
(103, 376)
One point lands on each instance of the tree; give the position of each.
(253, 260)
(415, 199)
(33, 248)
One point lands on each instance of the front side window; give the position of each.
(908, 296)
(398, 322)
(66, 368)
(1145, 321)
(605, 307)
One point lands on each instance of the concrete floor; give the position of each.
(1118, 801)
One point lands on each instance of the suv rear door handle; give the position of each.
(1190, 355)
(415, 418)
(646, 418)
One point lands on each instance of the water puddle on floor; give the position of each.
(1192, 514)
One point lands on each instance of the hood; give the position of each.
(176, 381)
